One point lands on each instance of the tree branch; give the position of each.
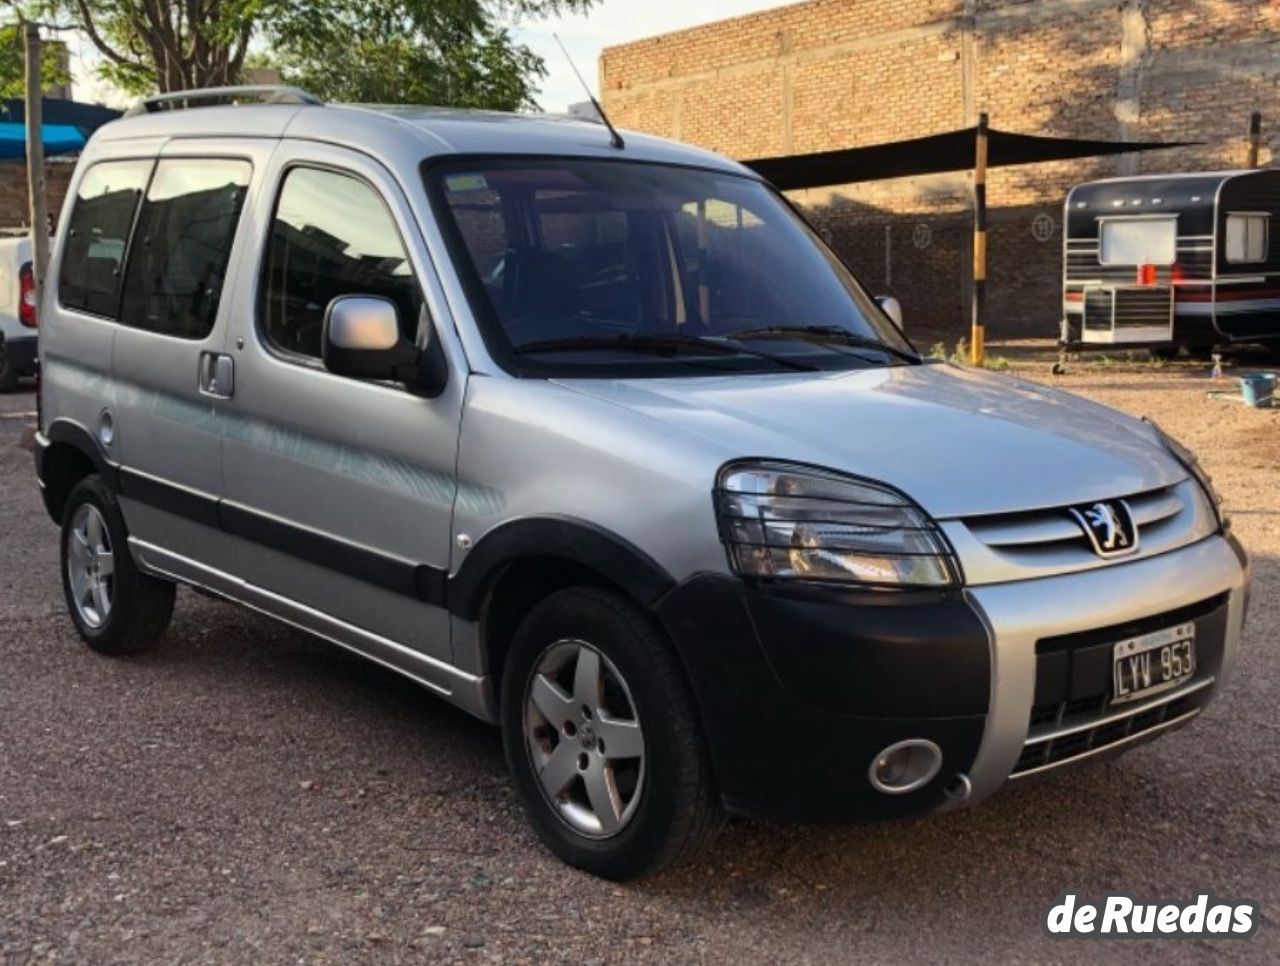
(86, 16)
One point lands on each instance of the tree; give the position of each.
(456, 52)
(13, 56)
(408, 51)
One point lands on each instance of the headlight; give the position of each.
(1192, 465)
(781, 520)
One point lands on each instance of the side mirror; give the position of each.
(891, 307)
(361, 339)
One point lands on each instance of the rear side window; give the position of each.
(332, 235)
(97, 233)
(182, 244)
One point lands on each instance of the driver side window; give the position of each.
(331, 235)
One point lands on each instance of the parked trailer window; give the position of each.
(1139, 241)
(1247, 237)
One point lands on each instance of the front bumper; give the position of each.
(1022, 614)
(799, 690)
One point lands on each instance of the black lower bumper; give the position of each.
(800, 691)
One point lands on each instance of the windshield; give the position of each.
(585, 267)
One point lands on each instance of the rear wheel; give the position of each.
(116, 608)
(601, 737)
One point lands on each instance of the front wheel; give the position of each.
(116, 608)
(601, 737)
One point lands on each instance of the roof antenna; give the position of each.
(614, 137)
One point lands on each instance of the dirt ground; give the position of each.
(248, 794)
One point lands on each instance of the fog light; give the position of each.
(905, 766)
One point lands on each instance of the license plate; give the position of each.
(1146, 665)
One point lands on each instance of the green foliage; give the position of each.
(13, 63)
(448, 52)
(960, 356)
(405, 51)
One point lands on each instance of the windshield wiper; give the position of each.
(823, 333)
(659, 345)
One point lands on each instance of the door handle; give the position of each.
(217, 375)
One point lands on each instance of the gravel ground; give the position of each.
(246, 793)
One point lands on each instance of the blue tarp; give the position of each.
(58, 139)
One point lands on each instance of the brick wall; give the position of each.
(14, 206)
(841, 73)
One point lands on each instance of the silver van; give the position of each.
(595, 438)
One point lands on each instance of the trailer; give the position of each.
(1170, 261)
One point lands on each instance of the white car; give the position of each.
(17, 312)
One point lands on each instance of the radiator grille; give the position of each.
(1056, 529)
(1049, 747)
(1045, 542)
(1073, 716)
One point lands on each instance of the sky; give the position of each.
(613, 22)
(609, 22)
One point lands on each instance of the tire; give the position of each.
(659, 808)
(8, 373)
(116, 608)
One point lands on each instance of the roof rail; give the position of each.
(265, 93)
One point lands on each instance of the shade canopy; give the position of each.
(57, 138)
(56, 110)
(67, 125)
(935, 154)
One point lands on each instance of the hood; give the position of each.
(960, 442)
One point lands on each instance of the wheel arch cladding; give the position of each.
(69, 455)
(614, 558)
(517, 564)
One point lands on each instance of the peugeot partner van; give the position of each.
(593, 437)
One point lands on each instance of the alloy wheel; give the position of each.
(584, 739)
(90, 565)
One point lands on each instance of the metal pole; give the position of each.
(35, 160)
(1255, 138)
(977, 343)
(888, 256)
